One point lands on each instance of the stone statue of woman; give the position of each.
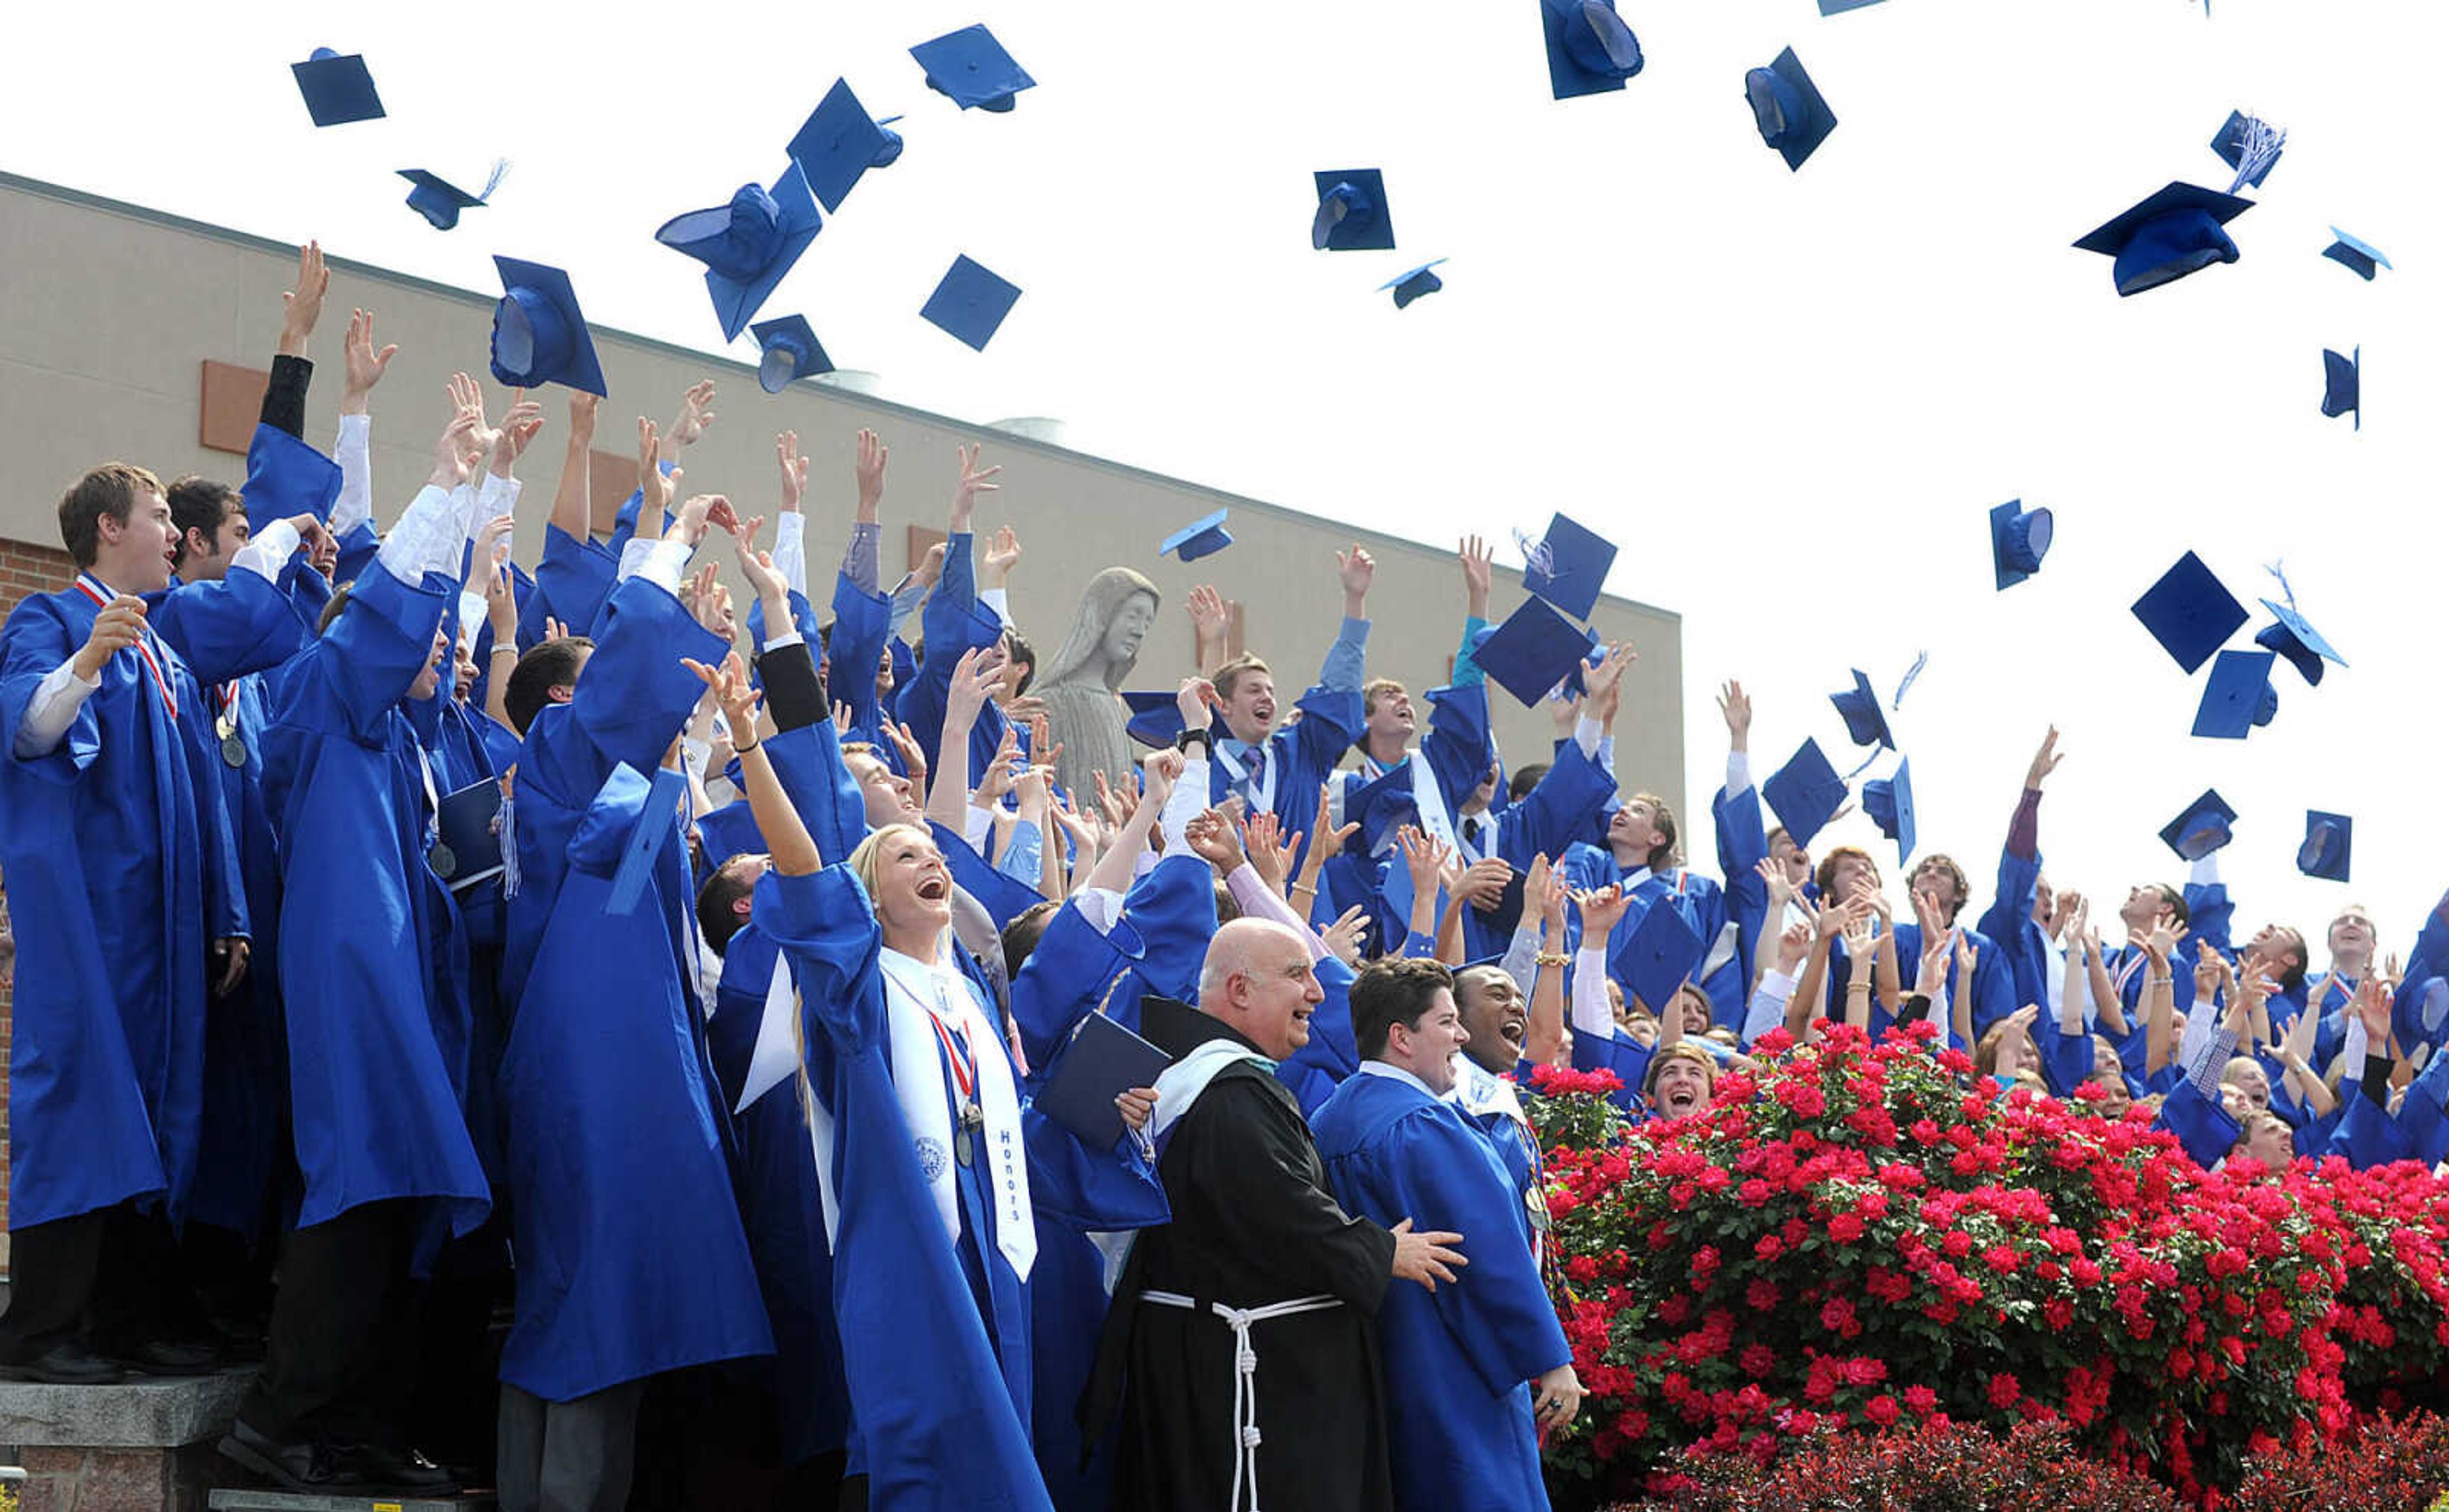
(1082, 685)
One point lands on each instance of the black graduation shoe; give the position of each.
(391, 1469)
(65, 1364)
(305, 1468)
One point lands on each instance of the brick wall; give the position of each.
(23, 568)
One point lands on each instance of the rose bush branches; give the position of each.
(1862, 1237)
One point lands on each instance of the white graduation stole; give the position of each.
(924, 1015)
(1261, 792)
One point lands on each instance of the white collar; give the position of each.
(1396, 1073)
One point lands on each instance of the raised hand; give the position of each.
(1345, 937)
(689, 524)
(2045, 761)
(730, 686)
(1213, 836)
(974, 479)
(1968, 955)
(457, 450)
(905, 745)
(2161, 942)
(1781, 888)
(1330, 834)
(971, 690)
(1736, 707)
(710, 602)
(1192, 701)
(1931, 977)
(773, 589)
(1548, 892)
(361, 364)
(582, 407)
(1355, 569)
(1208, 616)
(868, 468)
(1477, 562)
(518, 427)
(1159, 771)
(2375, 1001)
(502, 606)
(1601, 908)
(1604, 683)
(1483, 883)
(481, 563)
(1271, 849)
(1792, 947)
(1422, 857)
(931, 566)
(655, 486)
(121, 625)
(303, 305)
(697, 412)
(1002, 555)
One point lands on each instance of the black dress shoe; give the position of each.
(68, 1363)
(161, 1357)
(391, 1469)
(305, 1468)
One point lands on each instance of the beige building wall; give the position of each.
(112, 311)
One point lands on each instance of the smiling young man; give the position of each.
(1463, 1361)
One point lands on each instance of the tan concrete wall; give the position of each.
(110, 311)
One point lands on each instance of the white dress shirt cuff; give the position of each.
(269, 550)
(51, 710)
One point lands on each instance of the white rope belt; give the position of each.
(1246, 1374)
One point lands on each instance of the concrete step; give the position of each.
(241, 1500)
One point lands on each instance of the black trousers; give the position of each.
(339, 1363)
(113, 1277)
(52, 1267)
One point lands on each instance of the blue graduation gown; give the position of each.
(1458, 1359)
(1721, 974)
(2200, 1123)
(370, 959)
(1302, 755)
(862, 621)
(2008, 922)
(1620, 1053)
(103, 845)
(1994, 980)
(1743, 845)
(575, 578)
(954, 622)
(632, 1260)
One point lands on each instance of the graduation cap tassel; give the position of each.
(1535, 554)
(1921, 659)
(493, 178)
(2257, 148)
(2279, 570)
(1865, 765)
(503, 820)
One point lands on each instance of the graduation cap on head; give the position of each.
(2296, 639)
(787, 352)
(1788, 110)
(2250, 145)
(1351, 212)
(1532, 651)
(970, 303)
(748, 245)
(2173, 233)
(2343, 385)
(2238, 697)
(2202, 828)
(1410, 286)
(1155, 718)
(1202, 536)
(971, 68)
(1591, 51)
(2189, 612)
(1865, 722)
(1568, 567)
(339, 89)
(1805, 793)
(539, 335)
(2018, 539)
(440, 200)
(839, 143)
(2330, 842)
(1888, 802)
(1661, 955)
(2361, 257)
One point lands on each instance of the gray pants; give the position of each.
(574, 1456)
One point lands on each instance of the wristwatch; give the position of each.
(1205, 737)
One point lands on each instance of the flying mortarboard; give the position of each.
(1591, 51)
(2238, 697)
(1378, 806)
(1830, 8)
(2168, 236)
(1805, 793)
(539, 335)
(2018, 539)
(1864, 720)
(2202, 828)
(1788, 110)
(2329, 843)
(2250, 145)
(971, 67)
(440, 202)
(1567, 566)
(2189, 612)
(1888, 803)
(1351, 212)
(788, 351)
(2343, 385)
(1661, 956)
(2361, 257)
(1410, 286)
(1155, 718)
(2294, 638)
(838, 143)
(1532, 651)
(337, 90)
(971, 303)
(748, 245)
(1202, 536)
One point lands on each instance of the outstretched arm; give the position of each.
(787, 841)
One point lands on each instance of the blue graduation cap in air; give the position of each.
(840, 142)
(1410, 286)
(1832, 8)
(1864, 720)
(748, 245)
(1351, 212)
(2238, 697)
(1661, 955)
(2343, 385)
(1532, 651)
(787, 352)
(2175, 232)
(1888, 803)
(2294, 638)
(970, 303)
(2189, 612)
(1788, 110)
(1568, 567)
(2250, 145)
(539, 335)
(1202, 536)
(2202, 828)
(440, 200)
(1805, 793)
(971, 68)
(1155, 718)
(2018, 539)
(1378, 806)
(2361, 257)
(1591, 51)
(339, 89)
(2329, 843)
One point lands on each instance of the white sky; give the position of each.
(1792, 397)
